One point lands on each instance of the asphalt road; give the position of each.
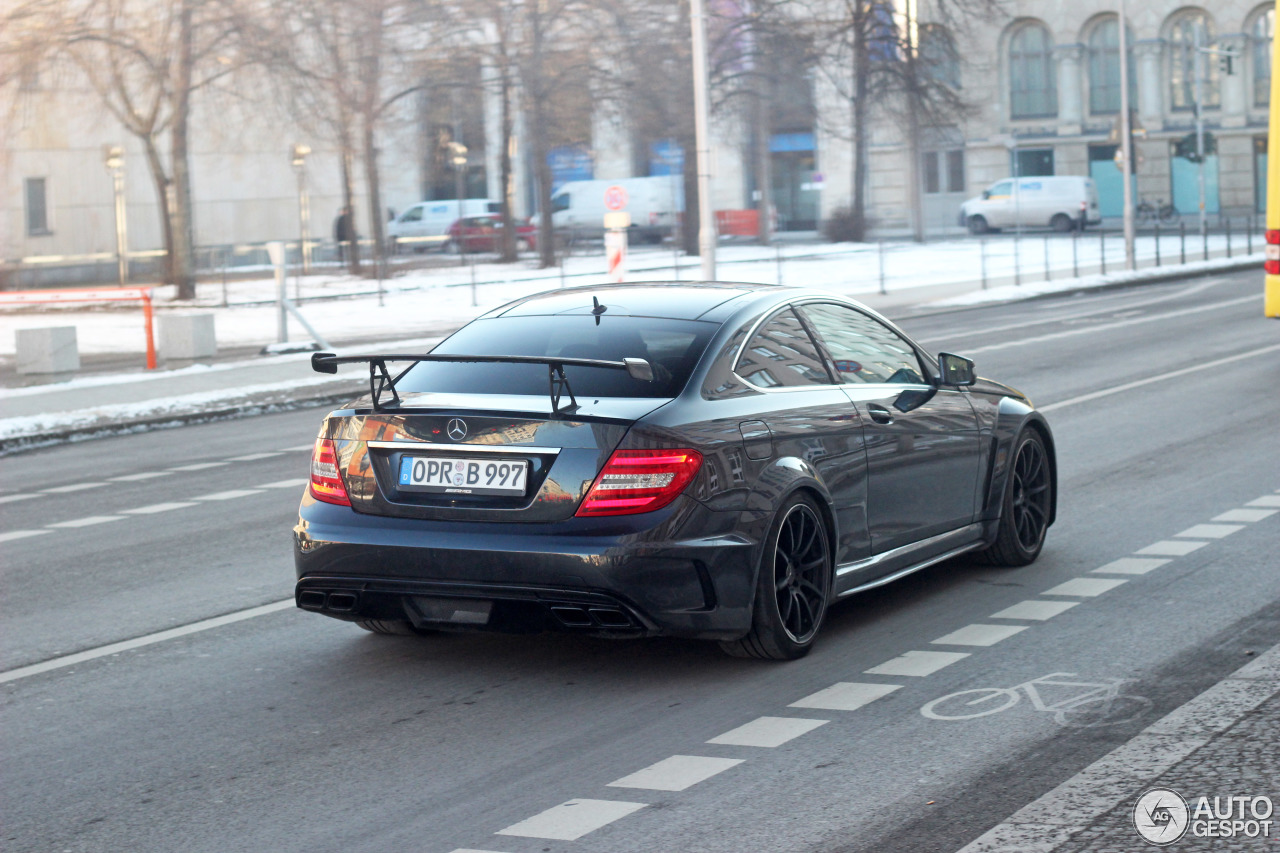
(288, 731)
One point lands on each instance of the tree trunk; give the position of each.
(764, 176)
(348, 203)
(504, 160)
(182, 252)
(689, 225)
(861, 87)
(161, 179)
(374, 191)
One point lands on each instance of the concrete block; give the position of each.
(187, 336)
(49, 350)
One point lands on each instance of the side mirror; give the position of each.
(955, 369)
(986, 194)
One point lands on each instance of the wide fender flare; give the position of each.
(1012, 418)
(776, 484)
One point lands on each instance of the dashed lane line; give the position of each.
(285, 484)
(979, 635)
(917, 664)
(767, 732)
(676, 773)
(845, 696)
(155, 508)
(1209, 531)
(199, 466)
(254, 457)
(1035, 610)
(140, 642)
(1085, 587)
(1248, 516)
(20, 534)
(1170, 548)
(74, 487)
(1131, 566)
(88, 521)
(571, 820)
(21, 497)
(138, 477)
(229, 495)
(1266, 500)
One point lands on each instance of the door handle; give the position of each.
(880, 414)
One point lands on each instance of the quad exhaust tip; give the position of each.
(593, 617)
(337, 602)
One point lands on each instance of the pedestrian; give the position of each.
(343, 232)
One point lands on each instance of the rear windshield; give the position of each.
(671, 346)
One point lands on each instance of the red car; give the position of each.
(484, 234)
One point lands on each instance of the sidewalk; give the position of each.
(416, 311)
(1223, 743)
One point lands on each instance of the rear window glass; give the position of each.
(673, 347)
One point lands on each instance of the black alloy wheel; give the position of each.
(1027, 504)
(793, 588)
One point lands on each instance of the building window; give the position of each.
(1260, 36)
(1104, 69)
(938, 56)
(37, 208)
(1182, 61)
(1033, 162)
(1033, 81)
(944, 171)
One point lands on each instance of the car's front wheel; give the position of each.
(793, 586)
(1027, 506)
(978, 224)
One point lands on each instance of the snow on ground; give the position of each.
(417, 302)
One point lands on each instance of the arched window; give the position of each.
(1104, 69)
(1033, 83)
(1260, 43)
(1182, 60)
(938, 56)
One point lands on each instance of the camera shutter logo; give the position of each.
(1161, 816)
(457, 429)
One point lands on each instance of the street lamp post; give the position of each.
(114, 157)
(706, 216)
(299, 158)
(1126, 145)
(458, 158)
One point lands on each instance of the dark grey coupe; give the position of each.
(720, 461)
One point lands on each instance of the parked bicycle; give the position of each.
(1146, 213)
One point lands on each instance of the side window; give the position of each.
(862, 348)
(781, 354)
(413, 214)
(1001, 189)
(560, 202)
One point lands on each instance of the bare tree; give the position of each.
(145, 60)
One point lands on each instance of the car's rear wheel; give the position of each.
(978, 225)
(1061, 223)
(1027, 506)
(793, 587)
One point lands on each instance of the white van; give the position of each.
(425, 224)
(655, 205)
(1060, 202)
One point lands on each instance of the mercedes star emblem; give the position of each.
(457, 429)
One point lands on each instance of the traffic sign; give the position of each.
(615, 197)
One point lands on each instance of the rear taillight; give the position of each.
(1272, 262)
(326, 484)
(635, 481)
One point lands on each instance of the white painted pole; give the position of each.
(706, 215)
(1126, 144)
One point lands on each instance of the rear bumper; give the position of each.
(626, 576)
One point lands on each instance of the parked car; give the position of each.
(484, 234)
(423, 225)
(1060, 202)
(655, 205)
(719, 461)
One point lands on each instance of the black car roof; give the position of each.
(675, 300)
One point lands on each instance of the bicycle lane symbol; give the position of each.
(1086, 704)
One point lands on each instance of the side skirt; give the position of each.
(969, 538)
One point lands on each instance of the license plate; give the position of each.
(464, 476)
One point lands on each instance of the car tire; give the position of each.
(793, 586)
(1062, 223)
(388, 626)
(450, 247)
(1027, 505)
(978, 224)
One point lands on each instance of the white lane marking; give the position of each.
(21, 534)
(300, 448)
(572, 820)
(1120, 324)
(146, 640)
(1032, 609)
(1131, 566)
(87, 521)
(11, 498)
(254, 457)
(1085, 587)
(979, 635)
(768, 732)
(227, 495)
(1170, 548)
(1117, 389)
(676, 773)
(845, 696)
(285, 484)
(199, 466)
(470, 850)
(74, 487)
(154, 508)
(144, 475)
(1248, 516)
(917, 664)
(1265, 500)
(1209, 531)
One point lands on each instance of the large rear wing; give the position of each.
(381, 381)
